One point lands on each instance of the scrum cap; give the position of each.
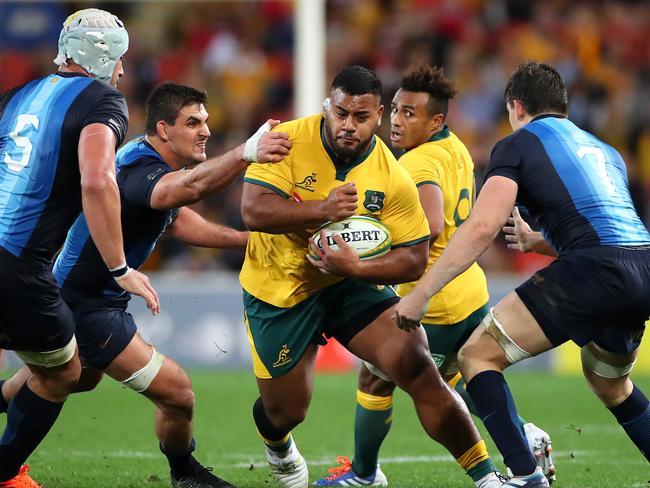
(95, 40)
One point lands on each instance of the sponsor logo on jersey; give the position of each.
(374, 201)
(283, 357)
(307, 183)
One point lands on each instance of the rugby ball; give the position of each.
(367, 236)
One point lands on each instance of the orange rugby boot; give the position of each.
(21, 480)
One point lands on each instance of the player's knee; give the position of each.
(286, 417)
(179, 398)
(60, 380)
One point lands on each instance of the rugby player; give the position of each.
(443, 171)
(338, 168)
(154, 187)
(595, 293)
(55, 133)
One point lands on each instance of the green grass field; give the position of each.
(105, 438)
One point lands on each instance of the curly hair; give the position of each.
(431, 80)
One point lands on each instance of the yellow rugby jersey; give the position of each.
(444, 161)
(276, 269)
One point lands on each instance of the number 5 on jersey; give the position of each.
(25, 129)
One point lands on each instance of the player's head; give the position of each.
(176, 116)
(352, 111)
(534, 89)
(419, 107)
(95, 40)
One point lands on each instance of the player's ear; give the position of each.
(161, 130)
(520, 111)
(436, 122)
(380, 112)
(327, 103)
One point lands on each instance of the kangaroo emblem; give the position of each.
(283, 357)
(307, 183)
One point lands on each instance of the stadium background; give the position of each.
(244, 54)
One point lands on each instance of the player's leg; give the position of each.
(509, 334)
(372, 422)
(608, 374)
(283, 347)
(40, 328)
(406, 360)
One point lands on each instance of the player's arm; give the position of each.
(432, 202)
(522, 238)
(486, 219)
(194, 230)
(180, 188)
(400, 265)
(101, 206)
(264, 210)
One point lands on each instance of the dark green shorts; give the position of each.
(446, 340)
(280, 336)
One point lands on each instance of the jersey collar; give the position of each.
(440, 135)
(342, 169)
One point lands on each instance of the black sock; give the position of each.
(634, 416)
(182, 465)
(29, 419)
(4, 404)
(264, 426)
(491, 395)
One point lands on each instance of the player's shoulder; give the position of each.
(137, 151)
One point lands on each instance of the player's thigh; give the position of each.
(104, 334)
(34, 320)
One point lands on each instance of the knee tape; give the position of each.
(49, 359)
(142, 378)
(376, 371)
(513, 352)
(601, 368)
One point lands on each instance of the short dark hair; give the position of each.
(539, 88)
(166, 102)
(431, 80)
(357, 80)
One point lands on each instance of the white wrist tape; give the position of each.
(253, 143)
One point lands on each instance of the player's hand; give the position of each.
(410, 310)
(273, 147)
(341, 203)
(138, 284)
(343, 262)
(518, 233)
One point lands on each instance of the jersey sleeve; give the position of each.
(505, 159)
(111, 110)
(274, 176)
(423, 171)
(404, 215)
(138, 180)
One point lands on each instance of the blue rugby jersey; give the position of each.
(573, 184)
(79, 268)
(40, 124)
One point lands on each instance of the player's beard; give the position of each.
(343, 153)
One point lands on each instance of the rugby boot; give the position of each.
(21, 480)
(492, 480)
(289, 467)
(344, 475)
(203, 478)
(534, 480)
(539, 443)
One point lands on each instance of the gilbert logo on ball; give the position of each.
(367, 236)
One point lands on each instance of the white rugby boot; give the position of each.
(539, 443)
(492, 480)
(288, 467)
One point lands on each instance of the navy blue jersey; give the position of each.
(572, 183)
(40, 124)
(79, 269)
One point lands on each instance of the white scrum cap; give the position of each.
(95, 40)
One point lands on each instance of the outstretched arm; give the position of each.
(522, 238)
(194, 230)
(491, 211)
(180, 188)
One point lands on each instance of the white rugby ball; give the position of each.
(367, 236)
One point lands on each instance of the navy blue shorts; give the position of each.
(104, 329)
(598, 294)
(33, 316)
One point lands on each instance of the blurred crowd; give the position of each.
(241, 53)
